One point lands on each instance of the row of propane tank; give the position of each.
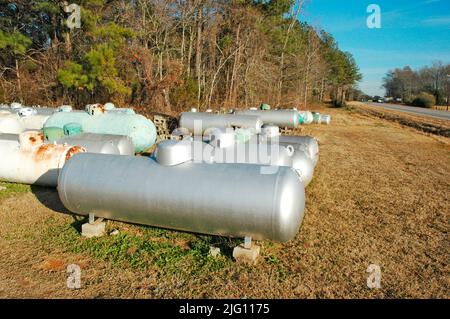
(212, 184)
(235, 178)
(281, 117)
(95, 119)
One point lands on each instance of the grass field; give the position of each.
(379, 196)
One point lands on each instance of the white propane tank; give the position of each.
(29, 161)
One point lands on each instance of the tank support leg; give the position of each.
(248, 242)
(91, 218)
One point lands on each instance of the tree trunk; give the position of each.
(191, 43)
(19, 83)
(198, 53)
(231, 93)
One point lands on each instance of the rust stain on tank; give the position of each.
(45, 152)
(37, 139)
(74, 150)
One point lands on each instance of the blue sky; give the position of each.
(413, 32)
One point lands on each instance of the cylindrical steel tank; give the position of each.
(325, 119)
(307, 144)
(29, 161)
(221, 121)
(262, 154)
(21, 120)
(233, 200)
(316, 117)
(282, 118)
(220, 138)
(306, 116)
(93, 143)
(95, 109)
(10, 124)
(141, 130)
(36, 110)
(270, 130)
(304, 166)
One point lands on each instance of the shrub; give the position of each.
(424, 100)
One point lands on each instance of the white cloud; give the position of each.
(437, 21)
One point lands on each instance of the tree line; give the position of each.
(167, 55)
(408, 84)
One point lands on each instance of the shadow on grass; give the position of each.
(199, 242)
(48, 197)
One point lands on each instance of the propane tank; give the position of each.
(307, 144)
(270, 130)
(262, 154)
(141, 130)
(100, 143)
(221, 138)
(233, 200)
(325, 119)
(29, 160)
(22, 119)
(307, 117)
(9, 123)
(109, 106)
(221, 121)
(65, 108)
(303, 166)
(316, 117)
(282, 118)
(15, 105)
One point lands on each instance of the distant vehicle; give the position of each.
(399, 100)
(378, 99)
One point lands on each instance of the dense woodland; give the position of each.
(407, 84)
(169, 55)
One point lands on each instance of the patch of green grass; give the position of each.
(349, 107)
(13, 189)
(169, 251)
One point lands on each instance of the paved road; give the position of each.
(443, 115)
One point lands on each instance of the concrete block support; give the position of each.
(246, 255)
(93, 229)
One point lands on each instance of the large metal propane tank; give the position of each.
(233, 200)
(282, 118)
(20, 120)
(221, 121)
(100, 143)
(141, 130)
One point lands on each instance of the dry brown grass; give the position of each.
(379, 195)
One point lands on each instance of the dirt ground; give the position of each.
(379, 196)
